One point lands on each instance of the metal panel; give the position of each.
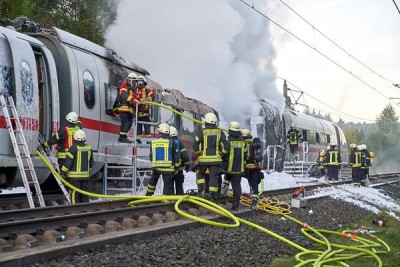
(26, 89)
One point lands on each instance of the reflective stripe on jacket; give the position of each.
(164, 155)
(209, 144)
(78, 161)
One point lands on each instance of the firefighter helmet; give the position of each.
(72, 117)
(211, 118)
(234, 126)
(352, 145)
(79, 135)
(141, 80)
(245, 132)
(292, 125)
(164, 128)
(132, 78)
(173, 131)
(364, 146)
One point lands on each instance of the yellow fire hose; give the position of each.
(323, 258)
(367, 248)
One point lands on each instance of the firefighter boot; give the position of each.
(124, 139)
(235, 206)
(254, 201)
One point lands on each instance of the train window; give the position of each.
(110, 96)
(167, 116)
(322, 138)
(312, 138)
(187, 125)
(88, 89)
(197, 126)
(305, 135)
(317, 138)
(328, 138)
(26, 84)
(6, 78)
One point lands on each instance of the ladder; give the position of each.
(49, 156)
(18, 141)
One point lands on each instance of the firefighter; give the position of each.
(165, 161)
(125, 106)
(293, 137)
(209, 145)
(77, 165)
(143, 93)
(320, 162)
(332, 160)
(179, 178)
(234, 161)
(355, 163)
(252, 167)
(365, 164)
(64, 137)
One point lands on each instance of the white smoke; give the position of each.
(219, 52)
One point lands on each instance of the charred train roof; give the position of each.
(86, 45)
(175, 98)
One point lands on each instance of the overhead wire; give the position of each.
(329, 106)
(336, 44)
(318, 51)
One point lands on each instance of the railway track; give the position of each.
(32, 235)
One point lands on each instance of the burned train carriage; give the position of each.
(52, 73)
(317, 134)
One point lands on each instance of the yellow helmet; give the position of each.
(164, 128)
(211, 118)
(234, 126)
(79, 135)
(72, 117)
(173, 131)
(245, 132)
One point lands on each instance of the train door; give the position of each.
(89, 97)
(25, 89)
(49, 109)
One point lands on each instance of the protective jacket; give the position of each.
(234, 160)
(320, 161)
(293, 136)
(164, 154)
(332, 157)
(64, 139)
(209, 145)
(125, 99)
(355, 158)
(251, 163)
(141, 94)
(78, 161)
(183, 155)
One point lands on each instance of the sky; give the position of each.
(228, 55)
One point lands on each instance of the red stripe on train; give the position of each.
(29, 124)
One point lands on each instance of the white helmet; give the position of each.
(359, 147)
(141, 80)
(292, 125)
(364, 146)
(245, 132)
(352, 145)
(72, 117)
(173, 131)
(328, 147)
(132, 77)
(79, 135)
(164, 128)
(234, 126)
(211, 118)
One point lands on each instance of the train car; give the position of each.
(52, 73)
(271, 127)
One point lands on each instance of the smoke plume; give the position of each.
(218, 52)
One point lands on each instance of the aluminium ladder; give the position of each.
(49, 156)
(18, 140)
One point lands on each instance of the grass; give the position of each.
(389, 234)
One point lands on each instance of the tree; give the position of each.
(88, 18)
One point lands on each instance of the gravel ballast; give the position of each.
(214, 246)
